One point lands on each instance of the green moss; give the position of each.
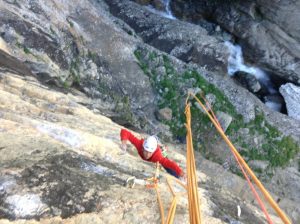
(172, 87)
(74, 71)
(152, 56)
(26, 50)
(92, 55)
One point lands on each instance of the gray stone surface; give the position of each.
(268, 38)
(224, 119)
(291, 95)
(185, 41)
(72, 169)
(164, 114)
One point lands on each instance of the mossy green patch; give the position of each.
(172, 90)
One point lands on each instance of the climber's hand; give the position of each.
(124, 146)
(182, 177)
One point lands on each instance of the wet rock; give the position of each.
(248, 81)
(275, 102)
(57, 185)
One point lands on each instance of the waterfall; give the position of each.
(167, 13)
(236, 63)
(168, 10)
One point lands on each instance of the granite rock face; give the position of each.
(291, 95)
(188, 42)
(65, 64)
(62, 163)
(267, 37)
(76, 44)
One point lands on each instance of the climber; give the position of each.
(149, 150)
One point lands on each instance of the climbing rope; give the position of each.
(192, 187)
(154, 184)
(261, 204)
(192, 184)
(238, 157)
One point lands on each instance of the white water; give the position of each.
(167, 13)
(168, 9)
(236, 63)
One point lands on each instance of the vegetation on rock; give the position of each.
(172, 88)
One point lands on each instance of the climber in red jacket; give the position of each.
(149, 150)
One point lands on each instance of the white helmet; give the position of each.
(150, 144)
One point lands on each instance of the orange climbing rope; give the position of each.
(193, 198)
(154, 184)
(261, 204)
(266, 194)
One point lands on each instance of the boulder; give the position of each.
(164, 114)
(291, 95)
(247, 80)
(224, 120)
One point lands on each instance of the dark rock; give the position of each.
(186, 41)
(9, 62)
(57, 185)
(247, 80)
(267, 37)
(36, 38)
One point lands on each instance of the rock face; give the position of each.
(185, 41)
(268, 39)
(59, 42)
(61, 162)
(291, 95)
(62, 64)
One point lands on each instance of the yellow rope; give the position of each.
(266, 194)
(173, 205)
(192, 187)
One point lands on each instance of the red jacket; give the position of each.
(156, 156)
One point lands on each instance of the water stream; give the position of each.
(236, 64)
(167, 11)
